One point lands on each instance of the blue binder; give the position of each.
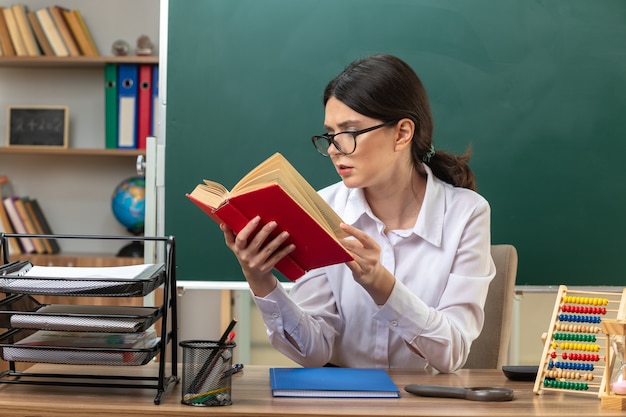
(155, 100)
(127, 88)
(332, 383)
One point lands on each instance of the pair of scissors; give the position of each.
(473, 393)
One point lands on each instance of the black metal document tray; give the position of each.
(138, 286)
(25, 312)
(11, 350)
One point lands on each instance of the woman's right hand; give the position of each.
(257, 254)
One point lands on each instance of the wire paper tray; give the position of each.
(9, 351)
(85, 286)
(20, 281)
(25, 312)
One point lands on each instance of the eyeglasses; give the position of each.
(345, 142)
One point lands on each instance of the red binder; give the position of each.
(144, 105)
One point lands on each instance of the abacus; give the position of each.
(574, 355)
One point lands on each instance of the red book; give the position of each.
(275, 191)
(144, 105)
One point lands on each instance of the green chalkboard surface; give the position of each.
(537, 88)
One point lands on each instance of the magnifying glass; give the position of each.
(473, 393)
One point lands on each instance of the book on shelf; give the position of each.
(7, 227)
(26, 243)
(28, 224)
(127, 89)
(144, 104)
(332, 382)
(40, 35)
(79, 32)
(20, 12)
(52, 33)
(276, 191)
(42, 222)
(5, 37)
(14, 32)
(5, 222)
(26, 216)
(110, 106)
(66, 34)
(28, 207)
(83, 24)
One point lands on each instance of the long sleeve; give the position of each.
(442, 267)
(314, 330)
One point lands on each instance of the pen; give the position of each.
(227, 332)
(202, 395)
(206, 367)
(236, 368)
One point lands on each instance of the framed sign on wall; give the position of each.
(38, 126)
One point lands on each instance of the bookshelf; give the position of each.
(73, 151)
(74, 185)
(73, 62)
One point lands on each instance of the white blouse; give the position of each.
(442, 267)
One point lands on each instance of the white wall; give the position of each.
(203, 313)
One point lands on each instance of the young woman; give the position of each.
(414, 295)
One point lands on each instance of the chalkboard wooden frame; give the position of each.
(38, 126)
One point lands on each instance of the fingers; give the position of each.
(259, 241)
(229, 235)
(360, 235)
(255, 247)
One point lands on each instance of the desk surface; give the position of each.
(252, 397)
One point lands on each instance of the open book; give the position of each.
(274, 190)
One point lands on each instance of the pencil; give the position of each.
(197, 381)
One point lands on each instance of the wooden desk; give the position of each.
(252, 397)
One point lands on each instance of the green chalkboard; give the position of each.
(538, 88)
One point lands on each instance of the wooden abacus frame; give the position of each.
(575, 324)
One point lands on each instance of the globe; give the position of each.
(129, 204)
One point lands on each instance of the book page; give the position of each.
(271, 164)
(211, 193)
(277, 170)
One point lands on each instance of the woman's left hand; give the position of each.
(366, 267)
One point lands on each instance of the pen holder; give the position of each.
(206, 378)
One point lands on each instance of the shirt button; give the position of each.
(394, 323)
(275, 315)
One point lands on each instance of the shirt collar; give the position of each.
(429, 225)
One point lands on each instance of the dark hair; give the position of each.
(386, 88)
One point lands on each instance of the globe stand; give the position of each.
(132, 250)
(128, 205)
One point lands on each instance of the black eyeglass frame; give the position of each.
(330, 138)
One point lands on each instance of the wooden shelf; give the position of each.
(77, 61)
(44, 150)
